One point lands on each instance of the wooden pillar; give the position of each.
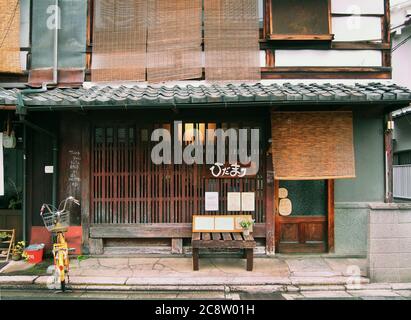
(330, 220)
(85, 185)
(388, 146)
(177, 246)
(269, 207)
(196, 258)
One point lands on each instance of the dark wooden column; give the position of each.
(269, 207)
(85, 183)
(388, 147)
(330, 220)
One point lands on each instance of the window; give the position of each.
(299, 20)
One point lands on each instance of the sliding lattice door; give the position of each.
(128, 188)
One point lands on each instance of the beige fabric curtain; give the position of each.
(312, 145)
(231, 31)
(174, 40)
(10, 36)
(119, 40)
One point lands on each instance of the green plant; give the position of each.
(16, 201)
(82, 258)
(4, 236)
(246, 224)
(19, 248)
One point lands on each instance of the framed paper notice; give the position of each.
(201, 224)
(211, 201)
(224, 223)
(248, 201)
(234, 201)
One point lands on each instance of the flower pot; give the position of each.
(16, 257)
(246, 232)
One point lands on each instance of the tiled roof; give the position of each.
(135, 95)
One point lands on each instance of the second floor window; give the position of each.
(299, 20)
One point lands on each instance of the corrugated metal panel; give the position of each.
(402, 181)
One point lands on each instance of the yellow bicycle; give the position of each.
(57, 221)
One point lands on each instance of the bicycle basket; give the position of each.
(57, 219)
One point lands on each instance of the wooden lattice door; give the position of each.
(128, 188)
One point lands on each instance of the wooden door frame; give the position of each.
(330, 238)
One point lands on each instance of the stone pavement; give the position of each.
(304, 277)
(171, 271)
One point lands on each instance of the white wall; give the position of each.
(328, 58)
(401, 59)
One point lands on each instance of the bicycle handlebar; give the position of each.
(51, 208)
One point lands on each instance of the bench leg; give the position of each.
(250, 257)
(196, 259)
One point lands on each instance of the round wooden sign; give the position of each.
(282, 193)
(285, 207)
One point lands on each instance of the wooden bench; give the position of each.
(224, 240)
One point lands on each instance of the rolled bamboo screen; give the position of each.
(174, 40)
(10, 36)
(312, 145)
(231, 39)
(119, 40)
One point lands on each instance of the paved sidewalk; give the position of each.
(172, 271)
(226, 278)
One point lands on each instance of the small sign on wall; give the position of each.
(48, 169)
(240, 201)
(211, 201)
(234, 201)
(248, 201)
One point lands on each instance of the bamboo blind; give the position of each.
(174, 40)
(10, 36)
(312, 145)
(231, 39)
(119, 40)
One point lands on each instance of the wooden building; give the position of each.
(312, 76)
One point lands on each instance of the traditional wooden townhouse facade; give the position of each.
(85, 99)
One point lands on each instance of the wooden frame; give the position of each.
(327, 221)
(236, 221)
(272, 35)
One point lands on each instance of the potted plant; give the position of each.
(246, 225)
(4, 236)
(18, 250)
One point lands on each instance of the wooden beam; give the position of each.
(155, 230)
(331, 214)
(269, 207)
(277, 227)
